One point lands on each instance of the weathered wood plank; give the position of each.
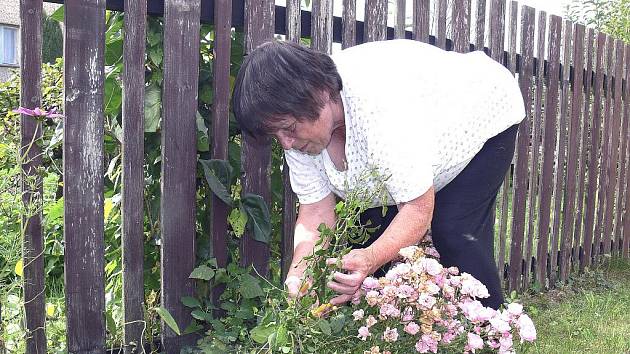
(480, 25)
(321, 25)
(534, 166)
(349, 24)
(375, 20)
(568, 222)
(421, 10)
(399, 30)
(293, 20)
(623, 157)
(613, 168)
(179, 161)
(256, 157)
(549, 144)
(132, 211)
(496, 40)
(440, 36)
(603, 247)
(523, 141)
(625, 247)
(497, 29)
(594, 178)
(461, 26)
(31, 181)
(289, 199)
(585, 151)
(83, 175)
(556, 239)
(220, 128)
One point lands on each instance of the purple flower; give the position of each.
(38, 112)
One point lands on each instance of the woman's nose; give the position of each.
(285, 141)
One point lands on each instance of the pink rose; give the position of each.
(474, 342)
(526, 329)
(412, 328)
(364, 332)
(390, 334)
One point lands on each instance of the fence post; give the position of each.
(132, 211)
(83, 156)
(31, 181)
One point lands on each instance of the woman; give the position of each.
(441, 125)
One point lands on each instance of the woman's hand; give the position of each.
(296, 286)
(358, 264)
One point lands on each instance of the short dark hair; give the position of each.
(280, 79)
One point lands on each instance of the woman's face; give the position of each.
(310, 137)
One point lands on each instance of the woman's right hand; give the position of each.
(296, 286)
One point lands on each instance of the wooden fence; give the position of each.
(562, 209)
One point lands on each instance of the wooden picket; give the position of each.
(83, 170)
(580, 220)
(132, 211)
(563, 207)
(31, 183)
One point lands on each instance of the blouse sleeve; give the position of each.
(306, 179)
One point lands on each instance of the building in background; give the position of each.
(10, 35)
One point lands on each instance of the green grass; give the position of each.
(589, 315)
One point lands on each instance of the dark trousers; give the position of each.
(463, 217)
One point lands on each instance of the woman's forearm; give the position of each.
(408, 227)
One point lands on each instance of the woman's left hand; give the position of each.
(358, 264)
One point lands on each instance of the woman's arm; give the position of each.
(408, 227)
(310, 216)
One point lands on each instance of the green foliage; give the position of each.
(609, 16)
(52, 40)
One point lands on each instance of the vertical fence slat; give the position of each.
(293, 21)
(179, 161)
(534, 166)
(31, 181)
(220, 128)
(615, 139)
(400, 19)
(421, 10)
(549, 144)
(440, 35)
(573, 135)
(289, 199)
(497, 33)
(520, 181)
(480, 25)
(586, 149)
(601, 239)
(497, 29)
(349, 24)
(626, 214)
(461, 26)
(623, 153)
(561, 156)
(83, 175)
(133, 174)
(256, 158)
(321, 25)
(375, 20)
(590, 229)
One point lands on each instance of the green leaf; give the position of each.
(258, 217)
(337, 323)
(109, 321)
(250, 287)
(168, 319)
(282, 336)
(201, 315)
(191, 302)
(238, 221)
(113, 96)
(58, 15)
(203, 143)
(260, 334)
(202, 272)
(113, 51)
(206, 94)
(218, 174)
(325, 327)
(152, 108)
(55, 211)
(156, 53)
